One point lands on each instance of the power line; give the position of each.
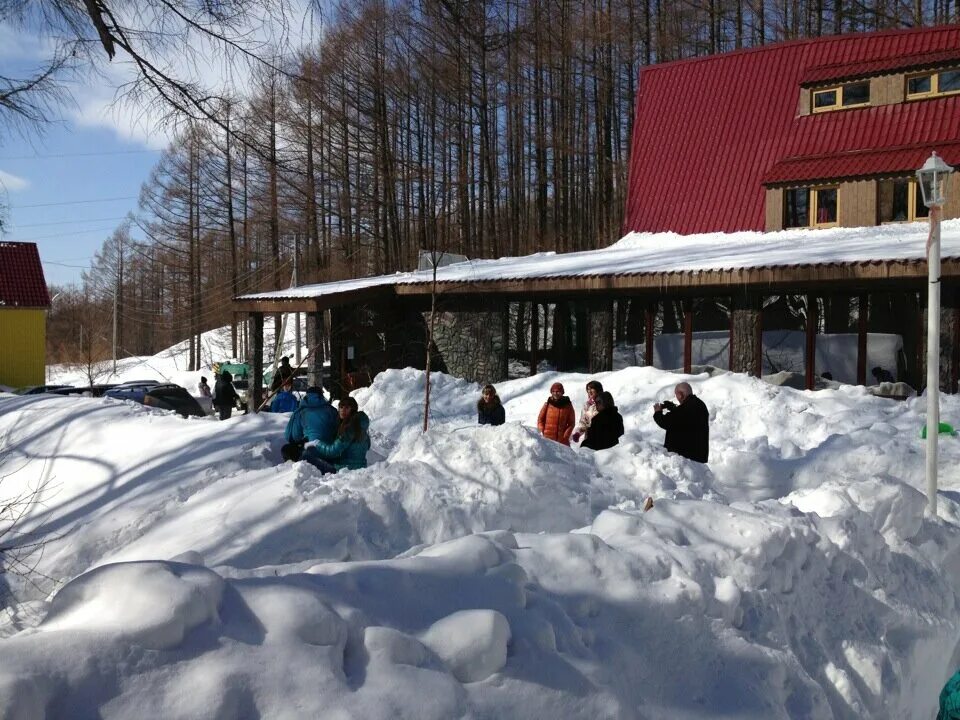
(71, 222)
(54, 156)
(72, 202)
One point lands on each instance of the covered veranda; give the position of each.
(862, 277)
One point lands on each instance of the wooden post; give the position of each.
(338, 354)
(810, 356)
(687, 335)
(534, 336)
(745, 338)
(600, 335)
(863, 312)
(758, 340)
(315, 338)
(649, 314)
(954, 295)
(505, 346)
(255, 389)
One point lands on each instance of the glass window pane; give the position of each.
(901, 201)
(949, 81)
(856, 94)
(919, 209)
(796, 212)
(825, 98)
(919, 84)
(826, 206)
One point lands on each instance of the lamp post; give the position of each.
(932, 178)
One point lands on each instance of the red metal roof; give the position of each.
(710, 131)
(21, 276)
(877, 66)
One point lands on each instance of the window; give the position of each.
(810, 207)
(900, 200)
(928, 84)
(842, 96)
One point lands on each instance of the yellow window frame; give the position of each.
(837, 104)
(934, 90)
(912, 189)
(814, 203)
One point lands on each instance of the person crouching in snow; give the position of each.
(284, 401)
(594, 388)
(489, 408)
(606, 426)
(557, 416)
(349, 449)
(314, 420)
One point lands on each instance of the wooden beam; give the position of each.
(255, 388)
(649, 315)
(534, 336)
(810, 356)
(758, 341)
(687, 335)
(954, 294)
(863, 312)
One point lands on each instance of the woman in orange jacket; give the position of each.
(557, 416)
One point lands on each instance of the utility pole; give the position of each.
(115, 328)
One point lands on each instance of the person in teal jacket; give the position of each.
(314, 420)
(349, 449)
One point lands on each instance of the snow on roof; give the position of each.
(648, 253)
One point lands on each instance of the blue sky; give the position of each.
(69, 188)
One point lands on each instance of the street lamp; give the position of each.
(932, 178)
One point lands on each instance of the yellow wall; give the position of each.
(22, 347)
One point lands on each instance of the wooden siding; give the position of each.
(952, 207)
(774, 209)
(887, 89)
(858, 203)
(22, 347)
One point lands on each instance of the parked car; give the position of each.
(133, 390)
(89, 391)
(37, 389)
(173, 397)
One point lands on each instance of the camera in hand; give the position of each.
(669, 404)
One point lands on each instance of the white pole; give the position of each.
(933, 357)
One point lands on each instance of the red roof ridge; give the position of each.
(780, 44)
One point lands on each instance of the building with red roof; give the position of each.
(23, 315)
(819, 132)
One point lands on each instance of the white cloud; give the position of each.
(12, 183)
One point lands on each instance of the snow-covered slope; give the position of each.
(483, 572)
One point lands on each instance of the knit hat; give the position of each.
(556, 386)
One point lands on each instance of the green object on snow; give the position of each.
(237, 370)
(945, 429)
(950, 699)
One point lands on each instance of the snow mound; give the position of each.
(473, 643)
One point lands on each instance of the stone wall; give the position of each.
(471, 344)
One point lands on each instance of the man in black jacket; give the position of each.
(687, 424)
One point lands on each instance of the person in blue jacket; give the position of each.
(284, 401)
(314, 420)
(349, 449)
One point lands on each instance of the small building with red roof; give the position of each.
(811, 133)
(24, 301)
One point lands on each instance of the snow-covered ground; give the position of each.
(478, 572)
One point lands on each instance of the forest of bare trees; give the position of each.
(481, 127)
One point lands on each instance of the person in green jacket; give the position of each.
(950, 699)
(349, 448)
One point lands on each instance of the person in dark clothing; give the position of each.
(283, 373)
(881, 375)
(225, 395)
(489, 408)
(687, 424)
(606, 427)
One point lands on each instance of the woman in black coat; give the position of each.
(489, 409)
(607, 425)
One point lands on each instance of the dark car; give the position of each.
(173, 397)
(89, 391)
(38, 389)
(133, 390)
